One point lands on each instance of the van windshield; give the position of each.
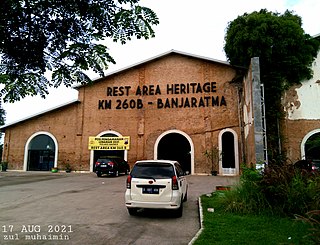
(152, 170)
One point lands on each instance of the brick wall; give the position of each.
(97, 112)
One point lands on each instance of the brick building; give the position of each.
(174, 106)
(301, 128)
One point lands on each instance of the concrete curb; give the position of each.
(201, 223)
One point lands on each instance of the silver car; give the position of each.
(156, 184)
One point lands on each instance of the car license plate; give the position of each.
(103, 166)
(150, 190)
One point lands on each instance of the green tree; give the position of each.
(286, 54)
(63, 38)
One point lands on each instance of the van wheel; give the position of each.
(185, 197)
(132, 211)
(179, 211)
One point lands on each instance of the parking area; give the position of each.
(79, 208)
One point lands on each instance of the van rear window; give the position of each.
(152, 170)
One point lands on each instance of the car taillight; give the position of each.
(129, 182)
(175, 185)
(97, 163)
(110, 163)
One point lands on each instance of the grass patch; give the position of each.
(221, 227)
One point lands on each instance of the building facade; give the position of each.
(173, 106)
(204, 113)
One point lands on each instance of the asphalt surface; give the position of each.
(79, 208)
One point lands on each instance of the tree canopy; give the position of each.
(285, 52)
(62, 39)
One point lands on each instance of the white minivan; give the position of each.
(156, 184)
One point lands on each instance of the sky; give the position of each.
(196, 27)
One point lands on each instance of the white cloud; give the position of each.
(309, 11)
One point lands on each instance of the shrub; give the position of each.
(279, 189)
(248, 196)
(289, 190)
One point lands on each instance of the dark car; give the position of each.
(111, 166)
(308, 165)
(315, 166)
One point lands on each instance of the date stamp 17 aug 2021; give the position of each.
(34, 232)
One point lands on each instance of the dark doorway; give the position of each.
(175, 146)
(104, 154)
(312, 147)
(228, 156)
(41, 153)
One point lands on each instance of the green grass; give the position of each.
(221, 227)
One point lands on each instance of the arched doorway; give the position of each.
(94, 155)
(312, 146)
(176, 145)
(228, 147)
(40, 152)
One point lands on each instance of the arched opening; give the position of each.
(106, 153)
(41, 153)
(175, 146)
(228, 147)
(96, 154)
(312, 147)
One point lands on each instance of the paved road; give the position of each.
(83, 209)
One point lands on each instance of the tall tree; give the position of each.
(286, 54)
(63, 38)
